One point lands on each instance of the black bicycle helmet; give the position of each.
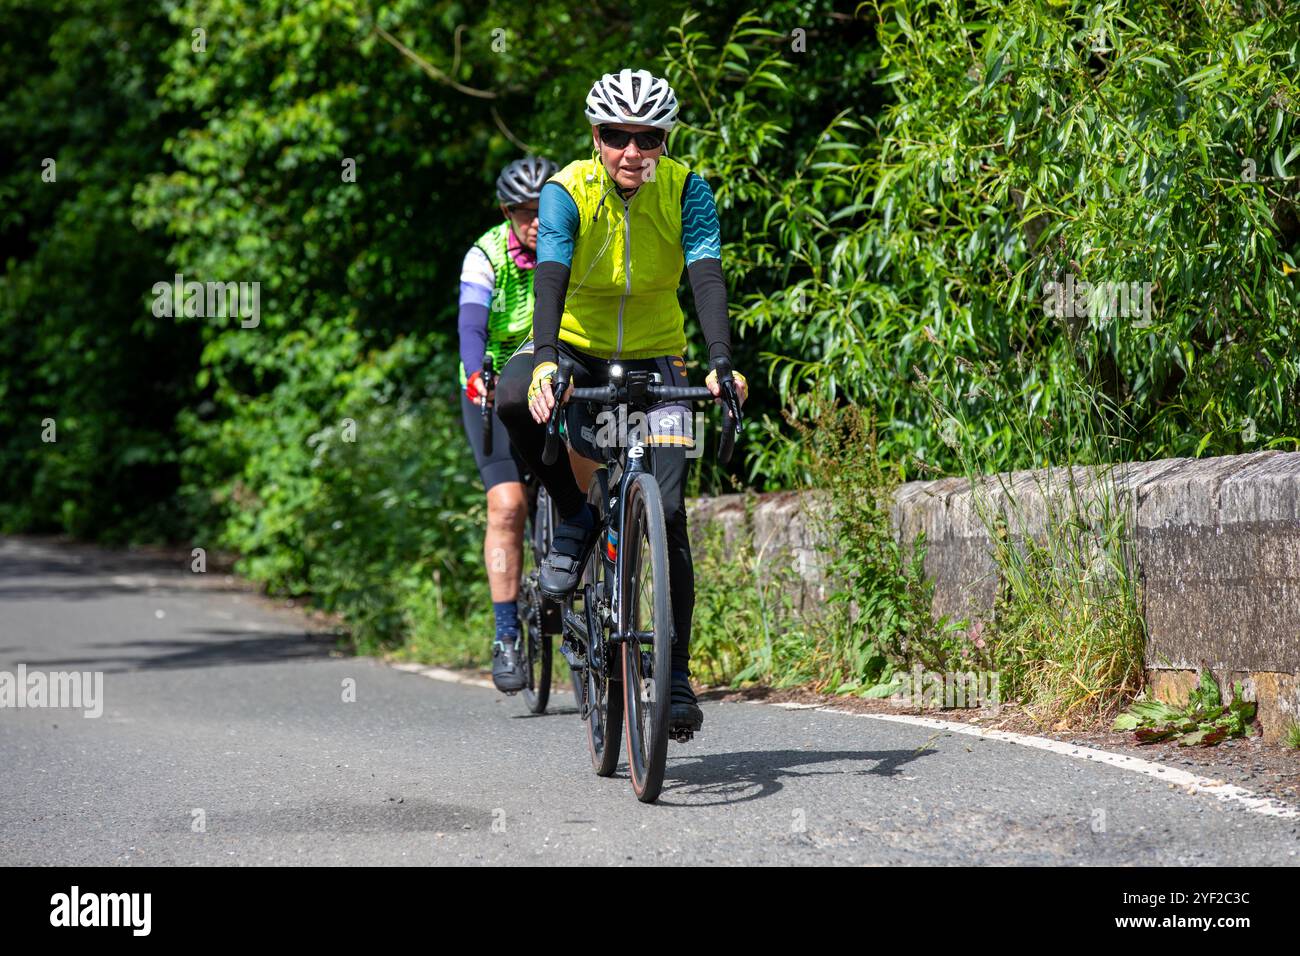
(522, 180)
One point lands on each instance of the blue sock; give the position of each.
(507, 619)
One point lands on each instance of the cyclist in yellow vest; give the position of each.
(495, 316)
(615, 232)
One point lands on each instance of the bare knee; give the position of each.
(507, 506)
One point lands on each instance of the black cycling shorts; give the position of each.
(504, 464)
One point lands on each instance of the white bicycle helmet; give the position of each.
(632, 97)
(522, 180)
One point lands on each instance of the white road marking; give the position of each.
(134, 580)
(442, 673)
(1192, 783)
(456, 677)
(1189, 782)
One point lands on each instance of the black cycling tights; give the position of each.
(669, 466)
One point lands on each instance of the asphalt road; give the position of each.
(225, 738)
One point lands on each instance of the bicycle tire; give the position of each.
(647, 702)
(537, 655)
(537, 643)
(604, 730)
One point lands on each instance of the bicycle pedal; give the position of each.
(681, 734)
(577, 661)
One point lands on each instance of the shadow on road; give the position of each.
(752, 774)
(226, 646)
(79, 571)
(87, 591)
(391, 815)
(551, 711)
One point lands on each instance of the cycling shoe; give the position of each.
(685, 713)
(507, 667)
(570, 549)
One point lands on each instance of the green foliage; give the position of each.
(80, 347)
(1205, 720)
(1067, 634)
(875, 622)
(746, 626)
(879, 589)
(777, 114)
(1027, 141)
(395, 511)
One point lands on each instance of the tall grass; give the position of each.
(746, 627)
(875, 620)
(1067, 632)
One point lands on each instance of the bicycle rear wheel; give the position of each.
(536, 643)
(537, 649)
(645, 619)
(600, 693)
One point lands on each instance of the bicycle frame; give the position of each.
(633, 463)
(604, 624)
(632, 388)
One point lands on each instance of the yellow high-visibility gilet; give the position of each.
(627, 263)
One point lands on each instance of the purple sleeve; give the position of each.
(473, 325)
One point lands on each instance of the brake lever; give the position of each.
(489, 386)
(560, 385)
(732, 397)
(731, 420)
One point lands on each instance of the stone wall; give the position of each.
(1216, 543)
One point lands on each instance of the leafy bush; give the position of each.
(1026, 142)
(1067, 633)
(875, 623)
(877, 584)
(90, 382)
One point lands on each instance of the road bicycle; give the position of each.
(618, 624)
(539, 616)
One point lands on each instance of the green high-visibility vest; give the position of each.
(510, 315)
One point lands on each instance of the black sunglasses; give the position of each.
(618, 138)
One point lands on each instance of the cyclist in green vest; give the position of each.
(496, 313)
(615, 232)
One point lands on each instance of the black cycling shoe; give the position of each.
(570, 548)
(685, 714)
(507, 668)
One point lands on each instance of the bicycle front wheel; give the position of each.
(646, 621)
